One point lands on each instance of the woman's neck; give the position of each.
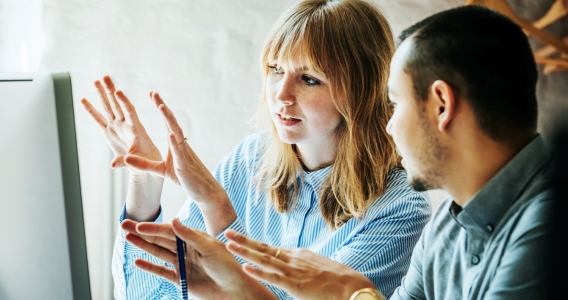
(316, 156)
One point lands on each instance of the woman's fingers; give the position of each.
(109, 90)
(128, 109)
(171, 121)
(145, 165)
(202, 242)
(159, 102)
(162, 271)
(104, 100)
(155, 250)
(177, 152)
(145, 231)
(156, 99)
(118, 162)
(95, 114)
(181, 157)
(129, 225)
(266, 276)
(157, 229)
(241, 241)
(262, 259)
(163, 242)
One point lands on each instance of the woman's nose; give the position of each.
(286, 94)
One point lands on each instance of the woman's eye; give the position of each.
(276, 70)
(309, 80)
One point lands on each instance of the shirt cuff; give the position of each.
(124, 215)
(238, 227)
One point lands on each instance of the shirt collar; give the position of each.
(486, 209)
(316, 178)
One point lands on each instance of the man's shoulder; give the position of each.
(531, 214)
(534, 206)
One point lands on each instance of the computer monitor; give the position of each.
(42, 246)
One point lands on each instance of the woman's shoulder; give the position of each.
(399, 195)
(246, 153)
(250, 146)
(397, 182)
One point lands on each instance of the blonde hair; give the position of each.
(351, 43)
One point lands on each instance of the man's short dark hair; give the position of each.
(485, 58)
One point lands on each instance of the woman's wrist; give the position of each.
(218, 213)
(143, 196)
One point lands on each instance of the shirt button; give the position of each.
(489, 227)
(474, 259)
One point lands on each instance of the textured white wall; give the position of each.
(201, 55)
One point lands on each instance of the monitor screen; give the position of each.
(43, 251)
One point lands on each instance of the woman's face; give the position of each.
(300, 105)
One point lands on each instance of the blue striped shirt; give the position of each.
(379, 245)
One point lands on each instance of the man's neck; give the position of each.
(476, 162)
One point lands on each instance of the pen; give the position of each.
(181, 250)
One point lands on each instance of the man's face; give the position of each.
(413, 127)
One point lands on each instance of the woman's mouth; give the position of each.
(287, 121)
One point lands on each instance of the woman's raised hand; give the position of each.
(126, 135)
(182, 166)
(120, 124)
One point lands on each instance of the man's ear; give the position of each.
(444, 103)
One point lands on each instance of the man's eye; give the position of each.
(309, 80)
(276, 70)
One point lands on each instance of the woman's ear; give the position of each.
(444, 103)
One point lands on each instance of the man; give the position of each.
(462, 83)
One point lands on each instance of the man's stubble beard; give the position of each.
(431, 156)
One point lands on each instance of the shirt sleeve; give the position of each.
(382, 251)
(130, 282)
(520, 273)
(231, 169)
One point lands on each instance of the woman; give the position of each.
(324, 177)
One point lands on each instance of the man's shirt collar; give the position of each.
(486, 209)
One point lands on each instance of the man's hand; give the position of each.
(300, 272)
(212, 272)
